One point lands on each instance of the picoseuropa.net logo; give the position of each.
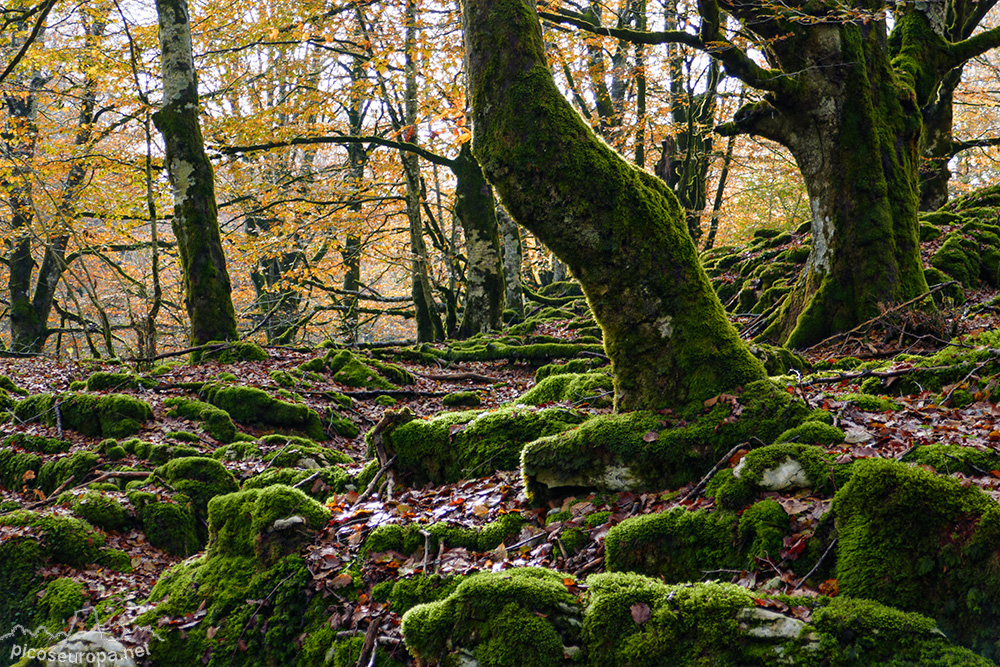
(92, 648)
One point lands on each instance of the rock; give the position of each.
(787, 476)
(90, 648)
(765, 624)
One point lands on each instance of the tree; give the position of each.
(207, 290)
(845, 97)
(618, 228)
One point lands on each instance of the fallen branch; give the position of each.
(899, 372)
(456, 377)
(374, 483)
(881, 315)
(816, 566)
(700, 486)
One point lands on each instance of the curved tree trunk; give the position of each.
(619, 229)
(512, 254)
(475, 210)
(207, 291)
(936, 142)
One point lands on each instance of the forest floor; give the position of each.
(924, 417)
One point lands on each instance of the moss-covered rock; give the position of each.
(108, 415)
(813, 433)
(647, 450)
(226, 352)
(922, 542)
(323, 481)
(458, 445)
(197, 477)
(251, 405)
(101, 509)
(595, 389)
(172, 525)
(947, 459)
(217, 422)
(75, 466)
(463, 399)
(779, 467)
(524, 616)
(64, 539)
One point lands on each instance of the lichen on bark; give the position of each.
(619, 229)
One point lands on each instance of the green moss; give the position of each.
(232, 353)
(386, 401)
(572, 366)
(101, 510)
(923, 543)
(812, 433)
(36, 443)
(105, 381)
(676, 545)
(217, 422)
(64, 539)
(870, 403)
(762, 529)
(183, 436)
(948, 459)
(301, 453)
(755, 473)
(646, 450)
(255, 406)
(58, 601)
(342, 426)
(596, 389)
(520, 617)
(199, 478)
(777, 360)
(469, 399)
(18, 469)
(171, 526)
(459, 445)
(74, 466)
(115, 559)
(348, 369)
(109, 415)
(8, 385)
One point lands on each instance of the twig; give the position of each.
(816, 566)
(367, 649)
(696, 491)
(307, 480)
(888, 374)
(881, 315)
(374, 483)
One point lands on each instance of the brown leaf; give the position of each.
(640, 612)
(652, 436)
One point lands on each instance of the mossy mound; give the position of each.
(924, 543)
(107, 511)
(64, 539)
(197, 477)
(356, 371)
(230, 352)
(108, 415)
(780, 467)
(777, 360)
(524, 617)
(408, 539)
(112, 381)
(679, 545)
(572, 366)
(596, 389)
(641, 451)
(947, 459)
(251, 405)
(75, 467)
(170, 524)
(971, 254)
(535, 617)
(462, 399)
(459, 445)
(216, 421)
(477, 349)
(755, 277)
(291, 452)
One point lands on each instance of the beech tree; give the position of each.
(847, 97)
(619, 229)
(207, 290)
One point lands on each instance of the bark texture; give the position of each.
(620, 230)
(207, 290)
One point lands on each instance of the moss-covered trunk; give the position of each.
(475, 210)
(936, 141)
(207, 290)
(853, 126)
(619, 229)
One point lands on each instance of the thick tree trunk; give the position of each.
(207, 290)
(475, 209)
(853, 127)
(512, 254)
(619, 229)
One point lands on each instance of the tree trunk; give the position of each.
(936, 141)
(512, 253)
(853, 128)
(475, 209)
(619, 229)
(207, 290)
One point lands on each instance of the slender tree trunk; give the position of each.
(429, 326)
(936, 144)
(619, 229)
(475, 209)
(207, 290)
(512, 254)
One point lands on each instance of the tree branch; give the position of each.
(340, 139)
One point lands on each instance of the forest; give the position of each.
(500, 333)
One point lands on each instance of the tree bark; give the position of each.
(475, 209)
(207, 290)
(619, 229)
(512, 254)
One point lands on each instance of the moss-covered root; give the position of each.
(619, 229)
(922, 542)
(533, 617)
